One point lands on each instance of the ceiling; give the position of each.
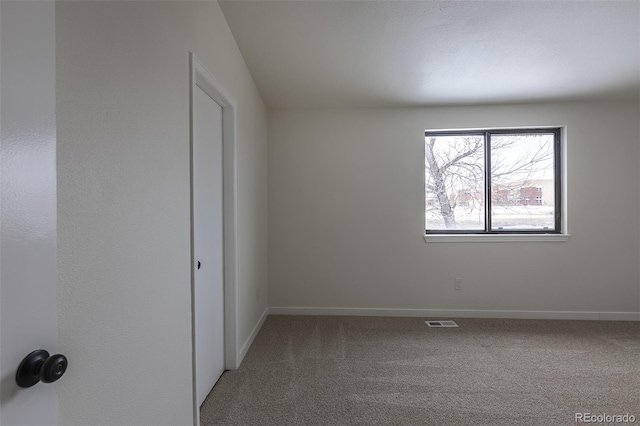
(319, 54)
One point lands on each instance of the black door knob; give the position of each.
(39, 366)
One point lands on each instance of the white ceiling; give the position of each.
(314, 54)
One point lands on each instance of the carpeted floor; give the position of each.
(313, 370)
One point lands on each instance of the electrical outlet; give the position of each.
(457, 283)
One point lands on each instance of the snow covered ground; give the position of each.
(504, 217)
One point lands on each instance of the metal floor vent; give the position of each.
(441, 323)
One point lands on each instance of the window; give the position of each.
(484, 181)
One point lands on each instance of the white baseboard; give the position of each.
(458, 313)
(252, 336)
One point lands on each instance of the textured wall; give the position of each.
(346, 214)
(124, 215)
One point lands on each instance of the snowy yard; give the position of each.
(503, 217)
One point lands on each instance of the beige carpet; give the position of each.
(312, 370)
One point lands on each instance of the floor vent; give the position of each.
(441, 323)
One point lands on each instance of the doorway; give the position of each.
(213, 232)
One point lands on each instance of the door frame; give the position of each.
(203, 79)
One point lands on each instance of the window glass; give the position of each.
(492, 181)
(455, 184)
(522, 168)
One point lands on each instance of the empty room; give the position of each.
(320, 212)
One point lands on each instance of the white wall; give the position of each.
(346, 214)
(123, 204)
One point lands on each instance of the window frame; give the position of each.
(557, 183)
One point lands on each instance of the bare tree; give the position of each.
(452, 168)
(455, 170)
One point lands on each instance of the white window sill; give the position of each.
(494, 238)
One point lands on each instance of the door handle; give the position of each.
(38, 366)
